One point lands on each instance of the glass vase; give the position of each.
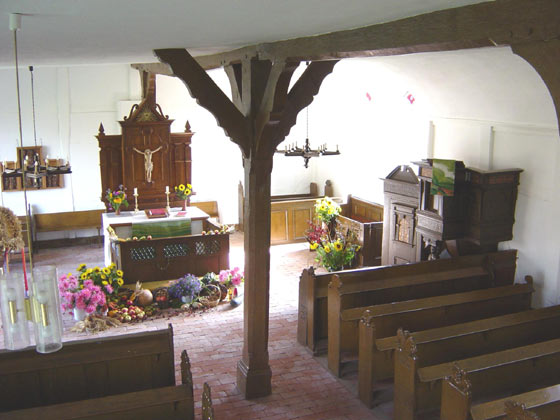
(46, 309)
(14, 317)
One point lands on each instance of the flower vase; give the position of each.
(184, 205)
(230, 293)
(117, 211)
(79, 314)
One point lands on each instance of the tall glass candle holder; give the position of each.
(14, 317)
(46, 309)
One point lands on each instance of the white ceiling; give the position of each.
(67, 32)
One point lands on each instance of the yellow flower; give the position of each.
(119, 273)
(330, 210)
(358, 248)
(323, 207)
(104, 283)
(81, 267)
(81, 286)
(103, 276)
(188, 192)
(110, 195)
(89, 271)
(117, 200)
(112, 265)
(120, 282)
(83, 276)
(69, 275)
(181, 187)
(106, 270)
(327, 248)
(313, 245)
(97, 269)
(338, 246)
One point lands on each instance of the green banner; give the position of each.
(163, 228)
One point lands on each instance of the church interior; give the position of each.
(259, 112)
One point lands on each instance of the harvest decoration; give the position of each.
(326, 209)
(109, 279)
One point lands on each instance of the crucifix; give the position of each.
(148, 164)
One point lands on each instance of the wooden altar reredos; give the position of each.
(146, 141)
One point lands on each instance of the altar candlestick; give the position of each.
(135, 191)
(167, 194)
(166, 189)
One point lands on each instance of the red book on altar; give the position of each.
(155, 213)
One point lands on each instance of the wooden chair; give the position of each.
(346, 305)
(450, 343)
(419, 389)
(312, 327)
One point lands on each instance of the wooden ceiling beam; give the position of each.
(500, 22)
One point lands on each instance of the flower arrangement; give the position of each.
(81, 295)
(186, 288)
(326, 209)
(109, 279)
(183, 191)
(231, 278)
(117, 198)
(336, 253)
(315, 232)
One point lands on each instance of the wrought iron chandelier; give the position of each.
(306, 152)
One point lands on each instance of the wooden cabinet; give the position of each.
(146, 156)
(289, 220)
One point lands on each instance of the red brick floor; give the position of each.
(301, 387)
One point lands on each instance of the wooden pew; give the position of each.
(419, 389)
(169, 402)
(456, 402)
(87, 369)
(207, 408)
(450, 343)
(312, 327)
(68, 220)
(348, 299)
(365, 220)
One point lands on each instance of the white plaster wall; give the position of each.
(486, 107)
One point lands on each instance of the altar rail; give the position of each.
(171, 258)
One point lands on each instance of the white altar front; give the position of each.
(122, 224)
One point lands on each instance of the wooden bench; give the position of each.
(540, 404)
(365, 220)
(312, 329)
(456, 402)
(88, 369)
(68, 220)
(451, 343)
(420, 389)
(347, 300)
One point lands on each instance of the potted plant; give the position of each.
(82, 297)
(183, 192)
(117, 199)
(185, 289)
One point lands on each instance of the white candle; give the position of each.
(167, 188)
(135, 191)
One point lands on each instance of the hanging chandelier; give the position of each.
(306, 152)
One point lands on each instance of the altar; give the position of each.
(188, 249)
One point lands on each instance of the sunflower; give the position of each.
(112, 265)
(338, 246)
(103, 276)
(313, 245)
(104, 283)
(327, 248)
(106, 270)
(181, 187)
(96, 270)
(81, 267)
(119, 273)
(117, 200)
(120, 282)
(83, 276)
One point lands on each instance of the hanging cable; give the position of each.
(33, 105)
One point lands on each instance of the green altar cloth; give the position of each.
(163, 228)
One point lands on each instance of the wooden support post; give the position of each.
(258, 119)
